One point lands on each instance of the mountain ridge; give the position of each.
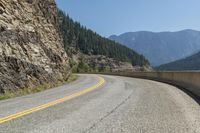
(189, 63)
(161, 47)
(187, 30)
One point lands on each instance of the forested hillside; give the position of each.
(189, 63)
(79, 38)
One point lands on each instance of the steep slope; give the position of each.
(31, 49)
(163, 47)
(80, 39)
(189, 63)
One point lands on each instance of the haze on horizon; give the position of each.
(108, 17)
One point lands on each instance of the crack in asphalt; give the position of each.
(108, 114)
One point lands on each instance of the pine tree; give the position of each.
(89, 42)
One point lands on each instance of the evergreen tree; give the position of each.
(85, 40)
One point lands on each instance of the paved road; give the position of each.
(120, 105)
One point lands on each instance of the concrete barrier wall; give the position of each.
(188, 80)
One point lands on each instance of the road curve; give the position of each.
(118, 105)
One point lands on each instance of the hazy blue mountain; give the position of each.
(162, 47)
(188, 63)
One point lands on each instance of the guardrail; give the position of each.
(187, 80)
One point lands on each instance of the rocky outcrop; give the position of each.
(31, 49)
(100, 63)
(103, 63)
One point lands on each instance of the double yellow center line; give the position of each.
(49, 104)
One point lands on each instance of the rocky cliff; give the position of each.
(100, 63)
(31, 49)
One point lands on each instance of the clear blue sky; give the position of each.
(108, 17)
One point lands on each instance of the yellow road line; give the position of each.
(44, 106)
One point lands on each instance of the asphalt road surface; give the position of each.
(110, 104)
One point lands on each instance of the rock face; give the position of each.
(31, 49)
(101, 63)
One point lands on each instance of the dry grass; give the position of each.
(39, 88)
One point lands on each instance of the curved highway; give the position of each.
(102, 104)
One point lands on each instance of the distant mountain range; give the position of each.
(162, 47)
(189, 63)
